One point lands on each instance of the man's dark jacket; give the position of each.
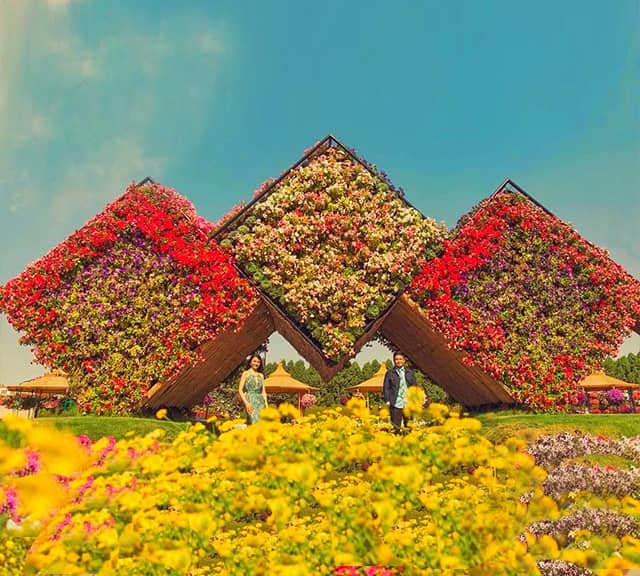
(391, 383)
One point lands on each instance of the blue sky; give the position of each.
(213, 97)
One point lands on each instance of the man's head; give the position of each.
(399, 359)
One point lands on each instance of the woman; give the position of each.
(251, 389)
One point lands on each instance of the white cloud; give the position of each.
(15, 360)
(40, 126)
(58, 3)
(212, 41)
(31, 125)
(88, 186)
(32, 45)
(70, 57)
(22, 194)
(14, 17)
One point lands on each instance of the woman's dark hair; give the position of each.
(261, 367)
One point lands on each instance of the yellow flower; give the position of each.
(11, 460)
(617, 567)
(288, 410)
(575, 556)
(16, 423)
(231, 424)
(548, 546)
(280, 511)
(437, 412)
(358, 408)
(450, 563)
(179, 560)
(415, 401)
(60, 453)
(39, 494)
(270, 414)
(384, 554)
(161, 414)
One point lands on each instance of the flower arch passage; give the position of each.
(126, 300)
(333, 244)
(530, 301)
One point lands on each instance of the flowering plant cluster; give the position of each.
(328, 490)
(126, 300)
(596, 504)
(308, 399)
(580, 398)
(614, 401)
(551, 451)
(615, 396)
(332, 243)
(325, 494)
(530, 301)
(600, 480)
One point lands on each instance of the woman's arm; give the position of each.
(247, 406)
(264, 393)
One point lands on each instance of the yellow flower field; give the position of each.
(304, 497)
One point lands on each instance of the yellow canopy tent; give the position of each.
(599, 381)
(281, 382)
(50, 384)
(373, 384)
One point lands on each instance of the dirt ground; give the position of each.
(4, 411)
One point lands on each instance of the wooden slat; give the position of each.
(222, 355)
(411, 331)
(309, 352)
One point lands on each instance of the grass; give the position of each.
(96, 427)
(497, 426)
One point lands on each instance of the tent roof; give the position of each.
(281, 382)
(373, 384)
(51, 383)
(601, 381)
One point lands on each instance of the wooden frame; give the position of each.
(411, 332)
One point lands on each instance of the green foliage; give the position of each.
(500, 425)
(626, 368)
(11, 438)
(434, 392)
(496, 426)
(329, 394)
(96, 427)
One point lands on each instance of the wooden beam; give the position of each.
(412, 332)
(306, 349)
(221, 356)
(312, 353)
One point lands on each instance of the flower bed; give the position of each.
(325, 494)
(612, 401)
(126, 300)
(531, 302)
(596, 504)
(333, 243)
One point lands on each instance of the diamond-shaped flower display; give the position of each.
(129, 300)
(529, 300)
(332, 243)
(126, 300)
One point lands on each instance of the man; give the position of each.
(394, 389)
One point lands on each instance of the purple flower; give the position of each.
(615, 396)
(10, 504)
